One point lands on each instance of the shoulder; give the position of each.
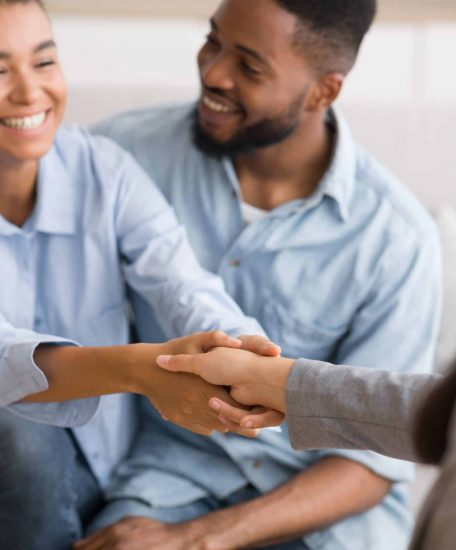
(96, 162)
(152, 126)
(379, 191)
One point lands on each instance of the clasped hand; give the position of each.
(187, 399)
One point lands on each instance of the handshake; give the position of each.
(212, 382)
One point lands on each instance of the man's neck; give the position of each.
(290, 170)
(17, 190)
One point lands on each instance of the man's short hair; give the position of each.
(330, 32)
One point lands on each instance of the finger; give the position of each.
(259, 345)
(236, 429)
(267, 419)
(219, 339)
(229, 412)
(180, 363)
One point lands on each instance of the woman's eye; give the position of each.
(46, 63)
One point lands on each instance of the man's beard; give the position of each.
(265, 133)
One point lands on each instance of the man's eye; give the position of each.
(212, 41)
(248, 69)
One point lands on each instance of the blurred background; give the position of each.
(400, 98)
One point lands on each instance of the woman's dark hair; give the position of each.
(433, 420)
(331, 31)
(11, 2)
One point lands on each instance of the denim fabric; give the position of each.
(47, 492)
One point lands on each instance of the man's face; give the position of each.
(254, 83)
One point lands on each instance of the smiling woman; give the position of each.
(80, 225)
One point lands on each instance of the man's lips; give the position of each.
(215, 111)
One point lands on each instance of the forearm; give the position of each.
(330, 491)
(78, 372)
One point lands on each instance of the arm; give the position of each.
(160, 265)
(326, 405)
(77, 373)
(395, 327)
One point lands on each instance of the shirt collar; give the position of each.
(56, 205)
(339, 180)
(55, 210)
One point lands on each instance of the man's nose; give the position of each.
(217, 73)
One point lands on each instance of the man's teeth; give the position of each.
(218, 107)
(25, 123)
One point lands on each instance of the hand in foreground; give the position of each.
(137, 533)
(253, 380)
(183, 398)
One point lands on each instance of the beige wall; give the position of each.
(389, 9)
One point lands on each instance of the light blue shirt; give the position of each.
(349, 275)
(100, 226)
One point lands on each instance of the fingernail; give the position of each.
(249, 424)
(223, 420)
(235, 340)
(163, 359)
(215, 405)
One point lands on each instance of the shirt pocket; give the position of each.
(297, 335)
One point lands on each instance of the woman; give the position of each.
(406, 416)
(80, 226)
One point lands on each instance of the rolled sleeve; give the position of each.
(21, 377)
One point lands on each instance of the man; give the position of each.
(313, 238)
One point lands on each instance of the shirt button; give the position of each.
(257, 464)
(235, 263)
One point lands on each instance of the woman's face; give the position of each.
(32, 86)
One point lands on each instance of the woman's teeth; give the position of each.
(214, 106)
(26, 123)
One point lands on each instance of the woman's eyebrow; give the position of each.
(42, 46)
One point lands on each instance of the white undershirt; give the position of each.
(252, 214)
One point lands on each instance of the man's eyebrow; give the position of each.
(44, 46)
(243, 49)
(252, 53)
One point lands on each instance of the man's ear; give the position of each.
(325, 91)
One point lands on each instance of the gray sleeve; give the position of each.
(347, 407)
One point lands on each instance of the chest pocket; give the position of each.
(298, 336)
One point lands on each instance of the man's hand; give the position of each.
(136, 533)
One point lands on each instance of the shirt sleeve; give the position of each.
(347, 407)
(20, 377)
(396, 327)
(160, 265)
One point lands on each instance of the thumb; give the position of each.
(179, 363)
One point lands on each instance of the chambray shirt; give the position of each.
(100, 226)
(349, 275)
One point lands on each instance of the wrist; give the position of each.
(143, 370)
(273, 382)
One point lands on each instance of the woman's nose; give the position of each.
(25, 89)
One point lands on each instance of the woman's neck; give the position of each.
(17, 190)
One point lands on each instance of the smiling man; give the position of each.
(315, 239)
